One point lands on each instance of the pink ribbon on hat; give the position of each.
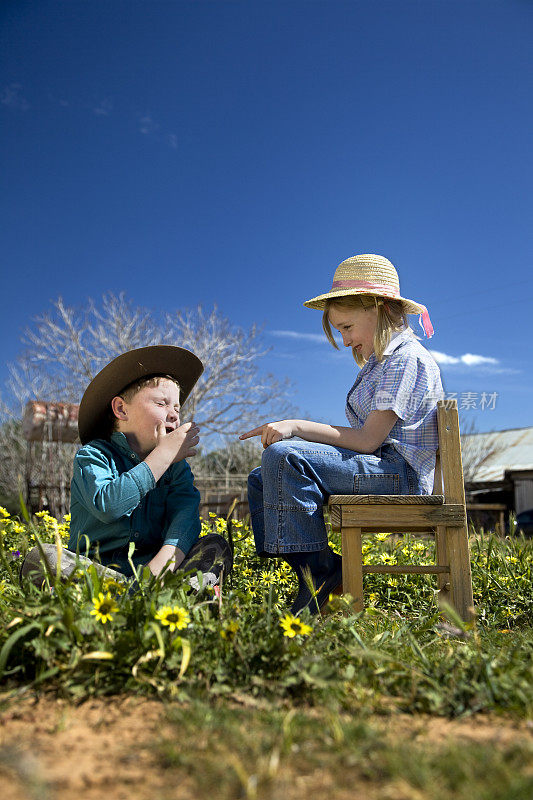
(386, 291)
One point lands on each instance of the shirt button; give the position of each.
(133, 456)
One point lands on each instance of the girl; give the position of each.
(389, 447)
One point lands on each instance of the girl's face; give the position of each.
(357, 327)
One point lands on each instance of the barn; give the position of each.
(498, 472)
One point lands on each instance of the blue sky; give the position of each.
(235, 152)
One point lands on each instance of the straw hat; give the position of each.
(369, 274)
(160, 359)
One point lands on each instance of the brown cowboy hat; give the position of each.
(161, 359)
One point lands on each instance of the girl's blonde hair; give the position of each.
(391, 318)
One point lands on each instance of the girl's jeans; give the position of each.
(287, 492)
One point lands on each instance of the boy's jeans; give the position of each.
(287, 492)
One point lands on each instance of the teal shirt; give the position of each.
(115, 500)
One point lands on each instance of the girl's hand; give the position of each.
(272, 432)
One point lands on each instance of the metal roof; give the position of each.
(488, 456)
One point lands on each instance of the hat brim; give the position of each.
(161, 359)
(319, 302)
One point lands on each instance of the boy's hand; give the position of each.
(180, 443)
(272, 432)
(172, 447)
(168, 558)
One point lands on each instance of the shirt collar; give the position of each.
(122, 444)
(397, 339)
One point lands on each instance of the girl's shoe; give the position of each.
(325, 570)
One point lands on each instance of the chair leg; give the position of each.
(441, 559)
(460, 572)
(352, 565)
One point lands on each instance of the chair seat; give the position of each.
(387, 499)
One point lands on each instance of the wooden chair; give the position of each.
(442, 513)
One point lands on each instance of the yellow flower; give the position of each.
(17, 528)
(393, 582)
(381, 537)
(292, 627)
(4, 512)
(267, 577)
(104, 607)
(50, 523)
(67, 517)
(112, 585)
(176, 618)
(373, 598)
(229, 630)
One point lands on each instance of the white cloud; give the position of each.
(468, 359)
(443, 358)
(309, 337)
(12, 98)
(104, 108)
(473, 361)
(147, 125)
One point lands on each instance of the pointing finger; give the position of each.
(254, 432)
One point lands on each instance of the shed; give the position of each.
(498, 471)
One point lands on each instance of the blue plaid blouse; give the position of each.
(407, 381)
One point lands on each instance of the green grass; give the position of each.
(294, 753)
(394, 655)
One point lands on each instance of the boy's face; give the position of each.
(139, 418)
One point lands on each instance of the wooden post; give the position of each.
(352, 565)
(454, 491)
(460, 573)
(441, 553)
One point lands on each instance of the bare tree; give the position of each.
(66, 347)
(476, 449)
(236, 458)
(231, 394)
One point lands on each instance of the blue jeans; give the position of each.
(287, 492)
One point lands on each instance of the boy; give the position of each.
(131, 482)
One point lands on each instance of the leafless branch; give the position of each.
(65, 347)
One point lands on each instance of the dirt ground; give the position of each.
(50, 749)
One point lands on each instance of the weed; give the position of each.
(91, 636)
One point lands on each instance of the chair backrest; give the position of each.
(449, 465)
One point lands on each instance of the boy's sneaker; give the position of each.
(211, 555)
(35, 568)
